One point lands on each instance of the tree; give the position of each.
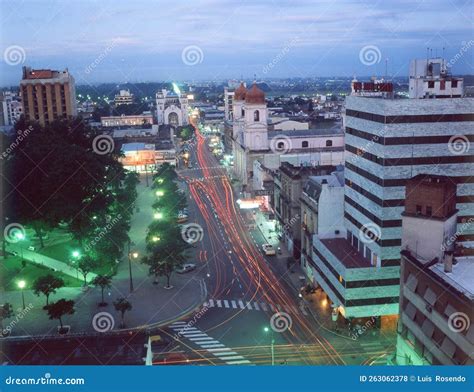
(86, 265)
(102, 281)
(6, 311)
(122, 305)
(57, 310)
(47, 285)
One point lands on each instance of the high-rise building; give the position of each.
(436, 279)
(11, 108)
(47, 95)
(124, 97)
(388, 141)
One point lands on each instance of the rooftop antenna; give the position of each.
(386, 69)
(255, 78)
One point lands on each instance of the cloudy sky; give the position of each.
(151, 40)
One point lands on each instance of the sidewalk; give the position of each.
(152, 305)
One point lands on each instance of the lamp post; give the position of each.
(266, 329)
(130, 255)
(20, 237)
(21, 285)
(76, 256)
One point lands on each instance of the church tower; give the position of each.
(255, 120)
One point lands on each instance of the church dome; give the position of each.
(240, 92)
(255, 95)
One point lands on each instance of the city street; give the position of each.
(250, 302)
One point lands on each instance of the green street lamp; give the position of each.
(21, 286)
(155, 238)
(159, 193)
(266, 329)
(76, 254)
(158, 215)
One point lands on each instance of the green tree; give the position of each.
(47, 285)
(102, 281)
(86, 265)
(6, 311)
(57, 310)
(122, 305)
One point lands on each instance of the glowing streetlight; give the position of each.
(266, 329)
(158, 215)
(76, 254)
(159, 193)
(155, 238)
(21, 286)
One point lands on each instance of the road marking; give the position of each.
(225, 353)
(241, 304)
(219, 303)
(212, 345)
(232, 358)
(226, 303)
(197, 340)
(211, 303)
(264, 306)
(249, 305)
(211, 350)
(256, 306)
(234, 305)
(194, 334)
(238, 362)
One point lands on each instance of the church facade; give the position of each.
(171, 108)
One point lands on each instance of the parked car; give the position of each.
(186, 268)
(182, 218)
(32, 248)
(13, 252)
(268, 249)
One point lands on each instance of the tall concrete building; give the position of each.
(387, 142)
(437, 280)
(47, 95)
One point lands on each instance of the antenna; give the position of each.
(386, 69)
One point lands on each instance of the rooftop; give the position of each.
(462, 277)
(346, 253)
(323, 129)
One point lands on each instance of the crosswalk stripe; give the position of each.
(211, 350)
(264, 306)
(238, 362)
(212, 345)
(225, 353)
(226, 303)
(232, 358)
(249, 305)
(256, 306)
(234, 305)
(219, 303)
(211, 303)
(241, 304)
(194, 334)
(178, 323)
(184, 330)
(197, 340)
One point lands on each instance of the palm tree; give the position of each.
(122, 305)
(58, 309)
(47, 285)
(102, 281)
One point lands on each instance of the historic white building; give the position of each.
(252, 139)
(171, 108)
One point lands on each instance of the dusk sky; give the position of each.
(150, 40)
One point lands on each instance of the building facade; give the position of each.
(124, 97)
(171, 108)
(11, 108)
(126, 121)
(47, 95)
(436, 279)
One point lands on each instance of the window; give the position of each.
(328, 143)
(442, 85)
(243, 112)
(256, 115)
(454, 83)
(304, 144)
(429, 210)
(418, 209)
(431, 84)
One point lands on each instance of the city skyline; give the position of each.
(220, 40)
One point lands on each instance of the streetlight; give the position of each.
(21, 285)
(155, 238)
(158, 215)
(76, 255)
(266, 329)
(130, 255)
(159, 193)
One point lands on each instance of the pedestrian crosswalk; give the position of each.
(208, 343)
(253, 305)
